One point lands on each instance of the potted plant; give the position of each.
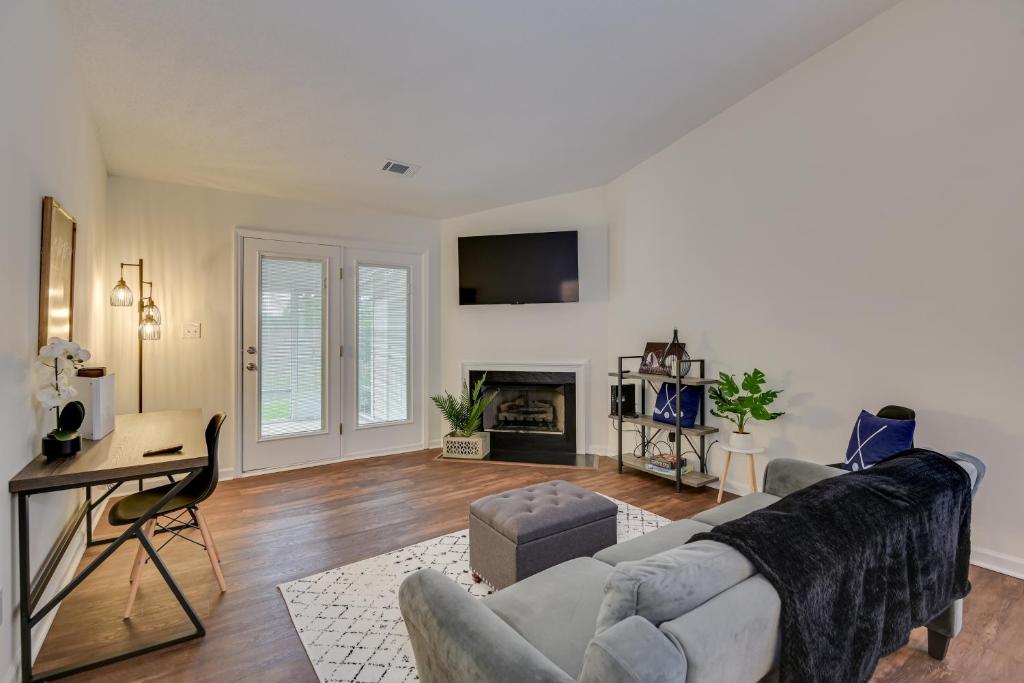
(61, 358)
(464, 414)
(738, 407)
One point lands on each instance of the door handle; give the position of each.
(250, 366)
(251, 350)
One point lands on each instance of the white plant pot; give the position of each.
(474, 447)
(743, 441)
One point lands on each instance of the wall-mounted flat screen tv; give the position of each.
(525, 268)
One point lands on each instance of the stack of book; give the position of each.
(666, 464)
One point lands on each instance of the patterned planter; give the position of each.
(468, 447)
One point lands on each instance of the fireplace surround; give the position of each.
(538, 416)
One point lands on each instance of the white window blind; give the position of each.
(382, 324)
(291, 346)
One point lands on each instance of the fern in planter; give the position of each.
(737, 407)
(465, 412)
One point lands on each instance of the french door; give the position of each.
(291, 353)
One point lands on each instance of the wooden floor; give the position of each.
(278, 527)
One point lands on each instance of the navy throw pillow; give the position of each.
(876, 438)
(689, 404)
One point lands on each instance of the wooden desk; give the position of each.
(114, 459)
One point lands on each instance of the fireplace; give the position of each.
(533, 417)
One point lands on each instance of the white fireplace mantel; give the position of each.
(580, 368)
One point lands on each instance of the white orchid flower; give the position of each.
(49, 351)
(49, 396)
(84, 355)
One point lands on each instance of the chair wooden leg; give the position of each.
(140, 557)
(211, 549)
(136, 576)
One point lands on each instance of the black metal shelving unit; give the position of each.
(699, 431)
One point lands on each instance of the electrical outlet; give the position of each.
(191, 331)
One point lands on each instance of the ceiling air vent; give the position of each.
(400, 167)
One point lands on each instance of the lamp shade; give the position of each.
(149, 309)
(149, 329)
(121, 295)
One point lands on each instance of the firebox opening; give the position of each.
(527, 410)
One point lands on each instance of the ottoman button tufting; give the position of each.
(517, 533)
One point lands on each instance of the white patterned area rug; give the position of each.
(348, 618)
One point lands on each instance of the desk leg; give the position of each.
(24, 580)
(88, 516)
(725, 473)
(30, 619)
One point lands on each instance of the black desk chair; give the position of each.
(185, 503)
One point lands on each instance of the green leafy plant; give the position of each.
(465, 412)
(737, 407)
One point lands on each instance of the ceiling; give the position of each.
(499, 101)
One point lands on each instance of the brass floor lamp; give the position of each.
(149, 314)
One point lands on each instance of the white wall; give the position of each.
(48, 146)
(186, 237)
(534, 332)
(854, 229)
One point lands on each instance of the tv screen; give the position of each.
(527, 268)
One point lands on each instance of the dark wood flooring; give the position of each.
(278, 527)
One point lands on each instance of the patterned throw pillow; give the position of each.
(689, 404)
(876, 438)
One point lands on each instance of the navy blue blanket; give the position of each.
(859, 560)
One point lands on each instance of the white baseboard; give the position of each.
(998, 562)
(359, 455)
(393, 450)
(434, 443)
(11, 676)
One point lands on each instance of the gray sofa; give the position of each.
(650, 609)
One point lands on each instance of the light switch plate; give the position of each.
(191, 331)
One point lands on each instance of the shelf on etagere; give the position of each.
(691, 479)
(651, 423)
(650, 377)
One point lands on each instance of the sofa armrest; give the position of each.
(633, 651)
(734, 636)
(783, 476)
(457, 639)
(974, 467)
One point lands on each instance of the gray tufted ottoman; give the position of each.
(523, 531)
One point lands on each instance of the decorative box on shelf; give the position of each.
(474, 447)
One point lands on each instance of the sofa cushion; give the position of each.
(661, 539)
(556, 610)
(735, 508)
(784, 476)
(526, 514)
(673, 582)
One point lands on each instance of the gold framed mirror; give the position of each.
(56, 272)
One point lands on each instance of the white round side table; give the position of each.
(729, 450)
